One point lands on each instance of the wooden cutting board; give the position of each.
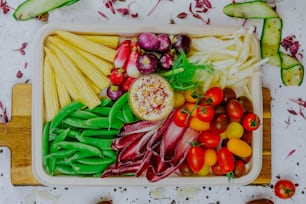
(17, 136)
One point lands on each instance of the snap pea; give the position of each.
(99, 143)
(51, 166)
(71, 133)
(127, 114)
(106, 102)
(45, 143)
(61, 153)
(83, 114)
(79, 155)
(61, 136)
(100, 132)
(101, 110)
(62, 161)
(116, 108)
(88, 169)
(109, 153)
(96, 161)
(64, 112)
(93, 123)
(77, 146)
(65, 169)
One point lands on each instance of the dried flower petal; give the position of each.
(5, 7)
(182, 15)
(293, 112)
(19, 74)
(103, 15)
(291, 153)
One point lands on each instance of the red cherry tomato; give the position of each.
(251, 121)
(117, 76)
(219, 123)
(239, 168)
(216, 169)
(205, 113)
(181, 116)
(195, 158)
(127, 83)
(284, 189)
(226, 160)
(234, 109)
(209, 139)
(214, 95)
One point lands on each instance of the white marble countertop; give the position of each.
(287, 139)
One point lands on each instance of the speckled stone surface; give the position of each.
(288, 130)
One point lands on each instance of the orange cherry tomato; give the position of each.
(210, 157)
(239, 147)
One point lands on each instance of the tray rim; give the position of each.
(48, 180)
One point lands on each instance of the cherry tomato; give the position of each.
(179, 99)
(195, 158)
(192, 95)
(234, 109)
(251, 121)
(117, 76)
(239, 147)
(209, 139)
(246, 103)
(192, 108)
(234, 130)
(185, 170)
(226, 160)
(210, 157)
(198, 124)
(125, 85)
(216, 169)
(219, 123)
(204, 170)
(247, 137)
(214, 96)
(284, 189)
(205, 113)
(239, 168)
(180, 117)
(229, 93)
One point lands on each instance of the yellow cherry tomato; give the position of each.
(234, 130)
(239, 147)
(204, 170)
(223, 135)
(210, 157)
(198, 124)
(179, 99)
(191, 95)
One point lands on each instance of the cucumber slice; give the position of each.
(270, 40)
(293, 76)
(33, 8)
(288, 61)
(251, 10)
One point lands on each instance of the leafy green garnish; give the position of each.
(183, 75)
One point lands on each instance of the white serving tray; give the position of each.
(128, 31)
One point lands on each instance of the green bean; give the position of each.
(64, 169)
(127, 114)
(106, 102)
(100, 132)
(99, 143)
(96, 161)
(101, 111)
(45, 143)
(88, 169)
(109, 153)
(116, 108)
(83, 114)
(78, 146)
(64, 112)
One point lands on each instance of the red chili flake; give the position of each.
(197, 15)
(302, 105)
(109, 4)
(103, 15)
(19, 74)
(22, 48)
(3, 115)
(291, 153)
(5, 7)
(182, 15)
(293, 112)
(43, 17)
(25, 66)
